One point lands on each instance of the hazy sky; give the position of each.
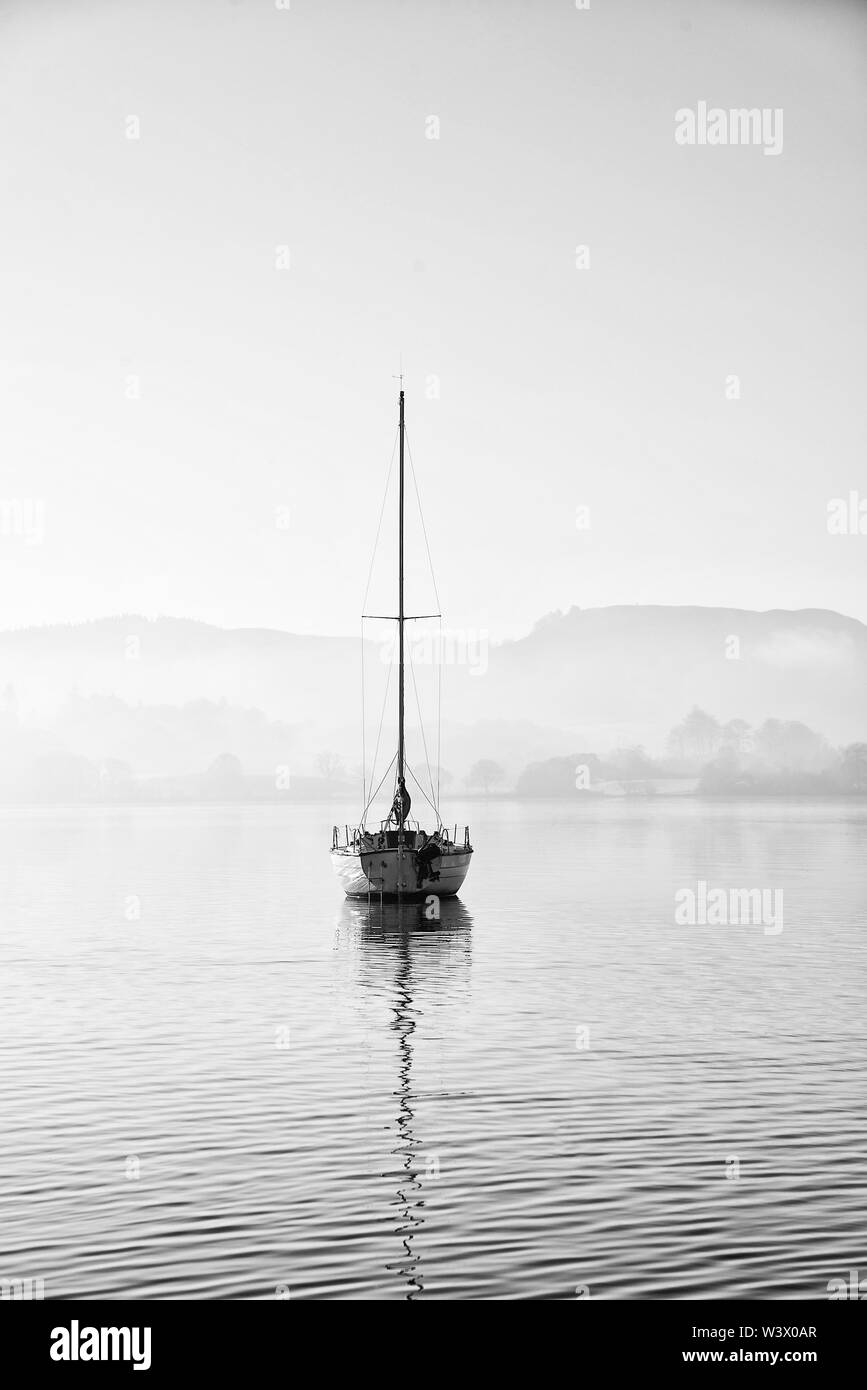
(151, 264)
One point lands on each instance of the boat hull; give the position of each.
(394, 875)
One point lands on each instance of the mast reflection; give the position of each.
(428, 961)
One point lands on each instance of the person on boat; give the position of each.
(401, 806)
(427, 851)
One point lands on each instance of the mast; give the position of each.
(400, 621)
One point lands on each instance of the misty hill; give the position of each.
(632, 671)
(595, 679)
(174, 661)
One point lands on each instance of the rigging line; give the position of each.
(425, 795)
(421, 729)
(363, 744)
(384, 775)
(439, 606)
(381, 515)
(421, 515)
(439, 712)
(381, 722)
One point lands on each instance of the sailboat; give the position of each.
(400, 861)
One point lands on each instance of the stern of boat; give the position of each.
(389, 864)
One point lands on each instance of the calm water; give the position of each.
(219, 1080)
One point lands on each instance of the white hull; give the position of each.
(394, 873)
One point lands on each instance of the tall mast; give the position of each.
(400, 621)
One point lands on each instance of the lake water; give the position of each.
(219, 1080)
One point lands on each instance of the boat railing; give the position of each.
(352, 834)
(457, 836)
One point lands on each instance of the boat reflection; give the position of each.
(363, 922)
(427, 962)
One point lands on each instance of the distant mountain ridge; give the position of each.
(630, 667)
(594, 678)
